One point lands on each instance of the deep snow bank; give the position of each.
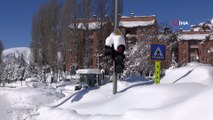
(192, 72)
(190, 98)
(21, 103)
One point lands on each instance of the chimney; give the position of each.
(132, 15)
(119, 15)
(94, 17)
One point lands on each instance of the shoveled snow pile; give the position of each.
(185, 94)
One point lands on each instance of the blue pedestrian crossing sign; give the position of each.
(158, 52)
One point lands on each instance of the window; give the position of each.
(206, 50)
(207, 59)
(194, 42)
(183, 50)
(183, 59)
(204, 59)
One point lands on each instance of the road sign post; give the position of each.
(157, 72)
(158, 54)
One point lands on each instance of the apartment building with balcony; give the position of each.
(130, 24)
(127, 24)
(195, 46)
(90, 34)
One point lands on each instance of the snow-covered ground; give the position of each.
(184, 94)
(21, 101)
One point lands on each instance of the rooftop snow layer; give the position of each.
(131, 24)
(91, 25)
(192, 36)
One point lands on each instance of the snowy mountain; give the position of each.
(16, 53)
(15, 64)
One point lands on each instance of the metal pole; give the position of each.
(116, 14)
(115, 27)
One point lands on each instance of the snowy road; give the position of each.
(22, 103)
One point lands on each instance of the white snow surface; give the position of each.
(185, 93)
(21, 102)
(131, 24)
(189, 98)
(116, 38)
(192, 36)
(91, 25)
(25, 51)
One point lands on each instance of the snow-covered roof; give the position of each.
(136, 21)
(192, 36)
(88, 71)
(91, 25)
(130, 24)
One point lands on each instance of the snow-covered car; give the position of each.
(68, 84)
(64, 83)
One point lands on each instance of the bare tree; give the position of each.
(56, 30)
(86, 8)
(36, 40)
(1, 63)
(105, 28)
(1, 50)
(48, 32)
(68, 31)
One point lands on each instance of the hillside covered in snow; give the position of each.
(16, 65)
(15, 53)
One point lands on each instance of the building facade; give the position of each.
(98, 32)
(90, 39)
(130, 24)
(195, 46)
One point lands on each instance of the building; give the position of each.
(195, 46)
(94, 27)
(130, 24)
(91, 35)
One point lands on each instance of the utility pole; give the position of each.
(115, 27)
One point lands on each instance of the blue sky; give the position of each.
(16, 15)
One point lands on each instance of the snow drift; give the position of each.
(189, 98)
